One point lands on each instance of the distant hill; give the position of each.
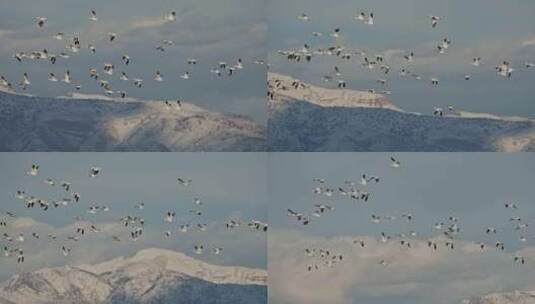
(150, 276)
(310, 118)
(97, 123)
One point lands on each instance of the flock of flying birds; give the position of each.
(102, 75)
(446, 231)
(377, 63)
(133, 223)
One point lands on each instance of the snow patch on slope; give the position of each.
(327, 97)
(179, 262)
(150, 276)
(107, 124)
(326, 124)
(516, 297)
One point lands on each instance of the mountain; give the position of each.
(310, 118)
(516, 297)
(150, 276)
(96, 123)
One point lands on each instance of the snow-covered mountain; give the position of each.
(310, 118)
(96, 123)
(150, 276)
(505, 298)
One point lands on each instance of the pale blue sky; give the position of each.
(494, 30)
(431, 186)
(210, 31)
(231, 185)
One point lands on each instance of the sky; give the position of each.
(231, 185)
(494, 30)
(473, 187)
(209, 31)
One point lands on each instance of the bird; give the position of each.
(34, 170)
(183, 181)
(169, 216)
(394, 163)
(41, 21)
(158, 76)
(126, 59)
(112, 36)
(93, 16)
(511, 205)
(185, 76)
(504, 69)
(198, 249)
(434, 20)
(65, 251)
(52, 77)
(94, 171)
(303, 17)
(438, 111)
(67, 77)
(59, 36)
(171, 16)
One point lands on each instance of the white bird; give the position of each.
(126, 59)
(41, 21)
(394, 163)
(124, 77)
(169, 216)
(25, 80)
(94, 171)
(34, 170)
(65, 251)
(303, 17)
(52, 77)
(67, 77)
(370, 19)
(112, 36)
(504, 69)
(171, 16)
(511, 205)
(138, 82)
(185, 75)
(409, 57)
(184, 182)
(20, 256)
(93, 16)
(108, 68)
(434, 21)
(158, 76)
(198, 249)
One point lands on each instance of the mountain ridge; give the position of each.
(516, 297)
(150, 276)
(377, 125)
